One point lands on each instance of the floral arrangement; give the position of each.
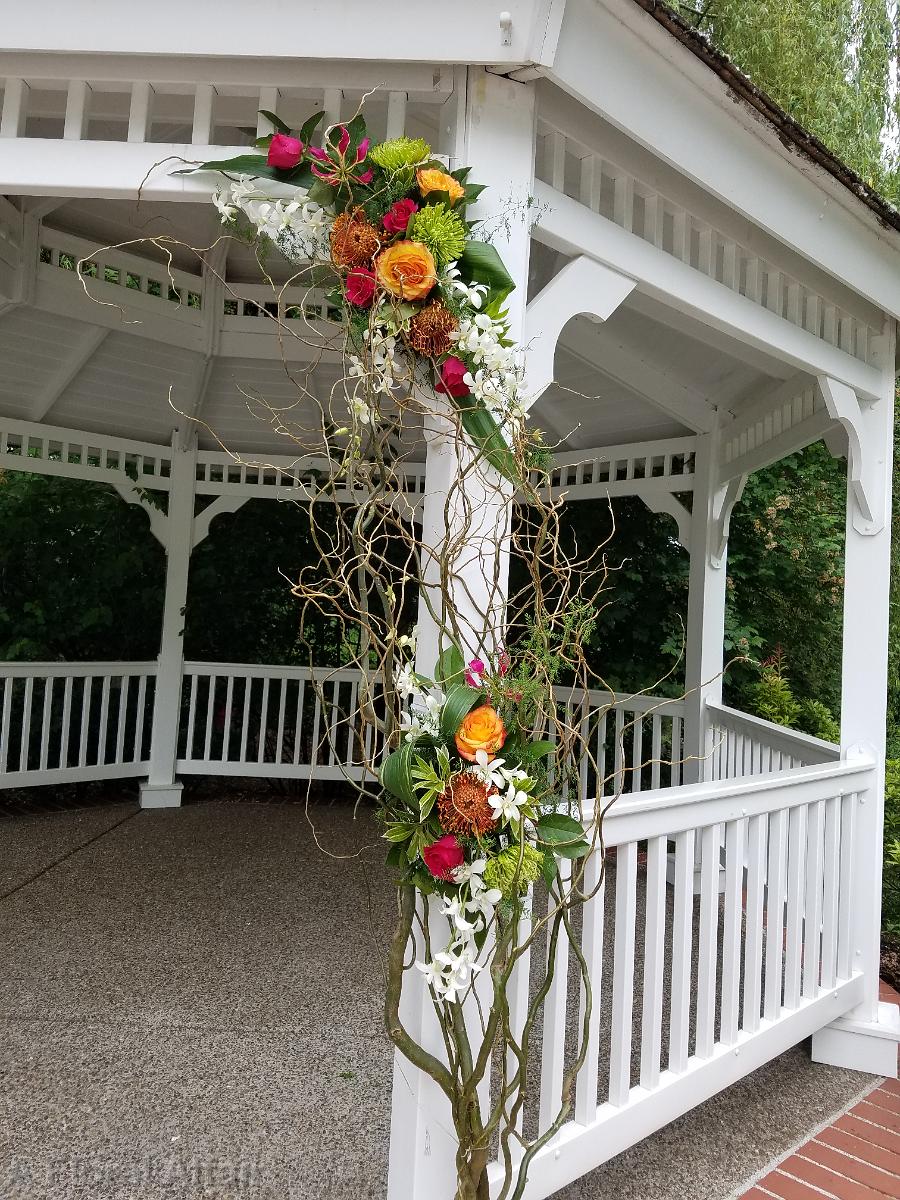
(386, 228)
(469, 806)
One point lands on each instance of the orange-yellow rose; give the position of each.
(482, 729)
(407, 270)
(430, 179)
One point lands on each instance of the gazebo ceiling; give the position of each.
(74, 364)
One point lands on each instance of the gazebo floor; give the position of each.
(190, 1003)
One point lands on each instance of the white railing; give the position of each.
(281, 722)
(62, 722)
(739, 745)
(673, 1019)
(634, 742)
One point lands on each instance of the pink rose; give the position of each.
(361, 286)
(397, 216)
(452, 382)
(443, 857)
(474, 672)
(284, 152)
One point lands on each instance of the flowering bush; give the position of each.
(387, 225)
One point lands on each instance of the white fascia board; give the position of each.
(635, 75)
(349, 29)
(568, 226)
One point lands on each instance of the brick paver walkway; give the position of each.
(855, 1158)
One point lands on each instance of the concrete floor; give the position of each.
(190, 1007)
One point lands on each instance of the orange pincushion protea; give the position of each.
(430, 329)
(465, 805)
(354, 242)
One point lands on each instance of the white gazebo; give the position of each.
(703, 289)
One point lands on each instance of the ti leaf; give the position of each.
(485, 433)
(450, 665)
(480, 263)
(308, 128)
(532, 751)
(461, 699)
(396, 774)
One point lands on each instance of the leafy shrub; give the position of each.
(816, 719)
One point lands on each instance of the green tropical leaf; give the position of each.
(461, 699)
(274, 119)
(556, 827)
(450, 665)
(396, 774)
(548, 869)
(308, 128)
(486, 436)
(480, 263)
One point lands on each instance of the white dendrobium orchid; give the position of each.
(471, 874)
(432, 974)
(474, 292)
(507, 806)
(457, 971)
(492, 773)
(407, 641)
(404, 681)
(484, 902)
(410, 726)
(454, 910)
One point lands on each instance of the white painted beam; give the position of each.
(83, 351)
(566, 225)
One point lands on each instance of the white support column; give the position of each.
(867, 1039)
(496, 139)
(706, 606)
(161, 789)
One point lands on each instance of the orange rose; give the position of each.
(430, 179)
(407, 270)
(482, 729)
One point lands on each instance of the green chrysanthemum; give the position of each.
(442, 231)
(400, 154)
(506, 873)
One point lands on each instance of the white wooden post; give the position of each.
(867, 1039)
(706, 607)
(495, 135)
(162, 790)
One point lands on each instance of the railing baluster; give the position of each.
(794, 925)
(775, 889)
(298, 722)
(554, 1038)
(655, 750)
(812, 925)
(682, 940)
(245, 716)
(210, 718)
(753, 944)
(226, 730)
(121, 717)
(654, 958)
(140, 112)
(25, 736)
(46, 716)
(103, 720)
(282, 701)
(847, 883)
(831, 869)
(191, 682)
(396, 114)
(637, 751)
(202, 132)
(619, 754)
(317, 719)
(735, 834)
(138, 751)
(66, 721)
(592, 948)
(676, 752)
(263, 721)
(85, 720)
(710, 843)
(8, 685)
(623, 974)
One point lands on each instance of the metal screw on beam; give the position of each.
(506, 29)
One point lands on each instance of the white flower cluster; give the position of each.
(499, 375)
(452, 970)
(299, 227)
(509, 798)
(379, 363)
(424, 713)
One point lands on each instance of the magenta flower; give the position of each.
(336, 168)
(474, 672)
